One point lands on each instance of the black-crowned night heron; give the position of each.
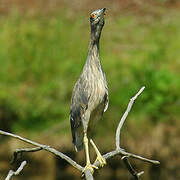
(90, 94)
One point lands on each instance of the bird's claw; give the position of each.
(89, 167)
(101, 160)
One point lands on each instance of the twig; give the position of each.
(46, 148)
(131, 169)
(14, 173)
(139, 157)
(125, 116)
(20, 151)
(124, 153)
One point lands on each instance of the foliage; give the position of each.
(42, 57)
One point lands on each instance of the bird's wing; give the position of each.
(79, 104)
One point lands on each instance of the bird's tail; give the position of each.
(78, 140)
(77, 132)
(78, 144)
(77, 136)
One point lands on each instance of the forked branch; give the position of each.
(131, 102)
(87, 174)
(14, 173)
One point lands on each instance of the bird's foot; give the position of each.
(89, 167)
(101, 160)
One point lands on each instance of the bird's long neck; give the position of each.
(95, 35)
(93, 51)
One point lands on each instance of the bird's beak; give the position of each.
(102, 11)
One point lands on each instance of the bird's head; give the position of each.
(97, 17)
(97, 22)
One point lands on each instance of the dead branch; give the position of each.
(20, 151)
(88, 175)
(131, 169)
(14, 173)
(125, 116)
(44, 147)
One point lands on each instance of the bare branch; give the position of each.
(46, 148)
(14, 173)
(131, 169)
(125, 116)
(127, 154)
(88, 175)
(140, 157)
(20, 151)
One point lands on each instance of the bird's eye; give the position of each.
(92, 16)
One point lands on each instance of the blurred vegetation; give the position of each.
(42, 57)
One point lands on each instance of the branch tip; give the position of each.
(14, 173)
(140, 173)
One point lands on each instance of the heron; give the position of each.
(90, 94)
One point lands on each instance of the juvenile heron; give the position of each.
(90, 94)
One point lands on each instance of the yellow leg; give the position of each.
(88, 166)
(99, 158)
